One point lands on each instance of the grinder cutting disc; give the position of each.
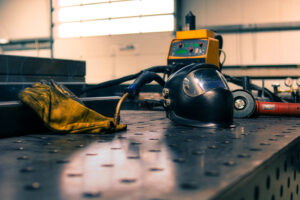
(244, 104)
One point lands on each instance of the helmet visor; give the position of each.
(202, 80)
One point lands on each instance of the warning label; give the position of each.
(268, 106)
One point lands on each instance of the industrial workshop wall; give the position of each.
(25, 19)
(268, 41)
(257, 47)
(111, 52)
(113, 56)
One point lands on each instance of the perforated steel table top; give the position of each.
(154, 159)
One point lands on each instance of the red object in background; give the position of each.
(277, 108)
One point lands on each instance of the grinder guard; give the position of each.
(198, 95)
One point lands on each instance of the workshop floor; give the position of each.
(155, 160)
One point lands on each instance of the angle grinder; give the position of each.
(246, 106)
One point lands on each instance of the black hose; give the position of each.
(110, 83)
(158, 79)
(239, 82)
(157, 69)
(220, 38)
(146, 77)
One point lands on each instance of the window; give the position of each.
(80, 18)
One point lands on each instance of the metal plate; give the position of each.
(12, 89)
(37, 78)
(153, 159)
(18, 119)
(24, 65)
(33, 69)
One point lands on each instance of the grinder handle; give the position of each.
(278, 108)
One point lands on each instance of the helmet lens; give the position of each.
(202, 80)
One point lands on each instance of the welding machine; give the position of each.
(194, 46)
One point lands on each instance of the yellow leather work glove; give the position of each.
(62, 111)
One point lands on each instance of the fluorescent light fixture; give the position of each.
(67, 30)
(114, 10)
(79, 2)
(154, 7)
(81, 18)
(157, 23)
(116, 26)
(4, 41)
(124, 26)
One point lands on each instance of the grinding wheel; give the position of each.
(244, 104)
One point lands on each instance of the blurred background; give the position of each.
(120, 37)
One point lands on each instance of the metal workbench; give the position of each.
(156, 160)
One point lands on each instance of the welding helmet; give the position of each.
(198, 95)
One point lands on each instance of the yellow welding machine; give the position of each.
(194, 46)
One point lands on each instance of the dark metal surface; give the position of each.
(153, 159)
(18, 119)
(261, 66)
(38, 78)
(11, 90)
(277, 178)
(35, 69)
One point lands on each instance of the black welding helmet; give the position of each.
(198, 95)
